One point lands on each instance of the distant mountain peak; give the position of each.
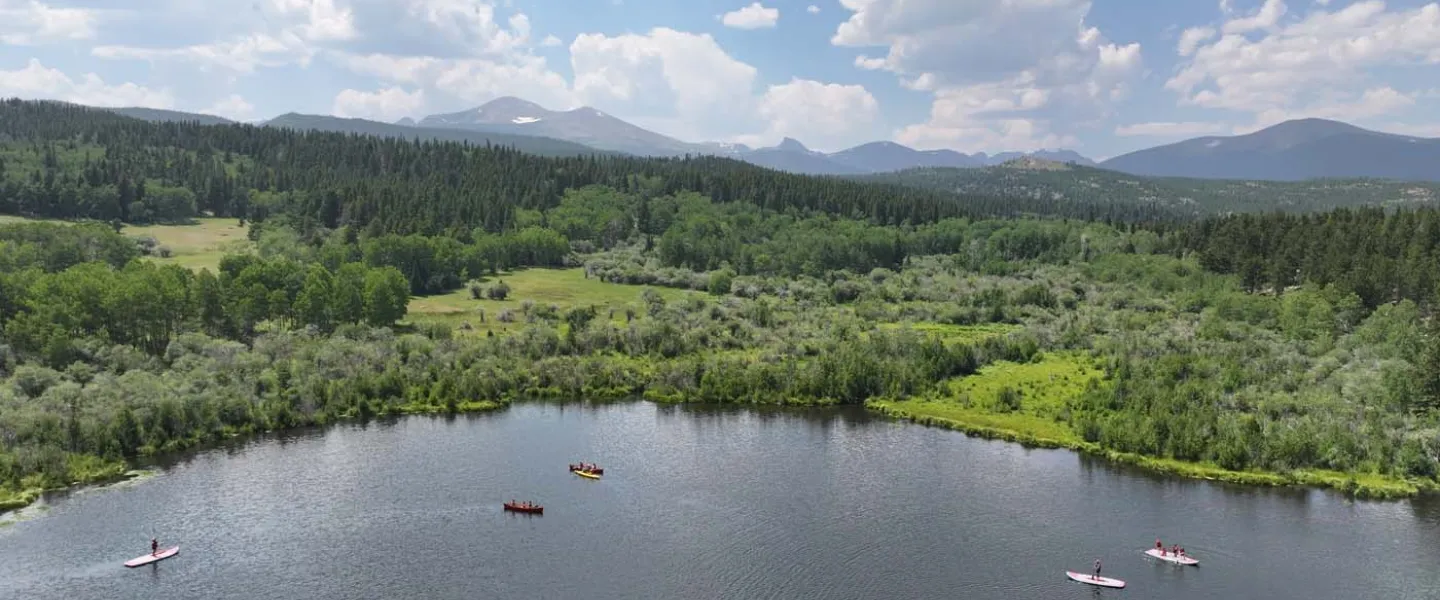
(790, 144)
(510, 104)
(406, 122)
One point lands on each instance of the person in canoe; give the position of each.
(154, 546)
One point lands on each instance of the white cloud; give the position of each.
(551, 41)
(691, 86)
(29, 22)
(1430, 130)
(471, 80)
(825, 116)
(36, 81)
(286, 32)
(754, 16)
(1192, 38)
(812, 9)
(232, 107)
(1011, 75)
(473, 24)
(868, 63)
(1266, 18)
(1371, 103)
(387, 105)
(241, 55)
(1171, 129)
(1309, 65)
(323, 21)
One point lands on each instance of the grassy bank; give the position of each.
(83, 470)
(981, 406)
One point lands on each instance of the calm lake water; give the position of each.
(697, 503)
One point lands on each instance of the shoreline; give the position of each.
(115, 472)
(1365, 486)
(1359, 486)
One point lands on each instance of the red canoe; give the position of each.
(596, 470)
(525, 507)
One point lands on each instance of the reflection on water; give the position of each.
(698, 502)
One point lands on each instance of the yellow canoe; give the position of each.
(586, 474)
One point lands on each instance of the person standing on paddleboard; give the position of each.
(1097, 569)
(154, 546)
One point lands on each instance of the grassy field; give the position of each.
(1040, 388)
(563, 288)
(196, 246)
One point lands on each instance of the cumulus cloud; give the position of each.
(36, 80)
(551, 41)
(321, 20)
(754, 16)
(1316, 65)
(389, 104)
(242, 55)
(1266, 18)
(812, 9)
(1368, 104)
(473, 25)
(30, 22)
(471, 80)
(233, 107)
(1005, 75)
(826, 116)
(687, 82)
(1192, 38)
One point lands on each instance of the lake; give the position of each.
(696, 503)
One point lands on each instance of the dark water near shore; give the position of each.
(697, 503)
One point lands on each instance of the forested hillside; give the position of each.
(1266, 349)
(1189, 197)
(65, 161)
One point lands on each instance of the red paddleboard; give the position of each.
(150, 558)
(1093, 580)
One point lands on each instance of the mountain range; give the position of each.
(1290, 151)
(597, 129)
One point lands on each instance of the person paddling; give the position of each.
(1159, 546)
(1097, 569)
(154, 546)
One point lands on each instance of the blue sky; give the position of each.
(1102, 77)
